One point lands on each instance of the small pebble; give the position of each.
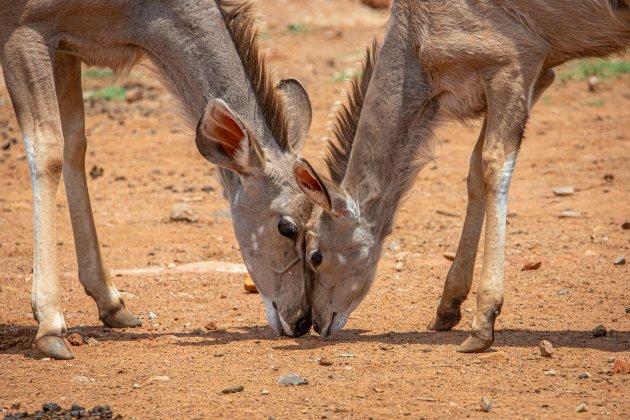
(264, 392)
(152, 315)
(627, 309)
(485, 404)
(134, 94)
(159, 378)
(346, 355)
(551, 373)
(211, 326)
(248, 284)
(563, 292)
(625, 225)
(292, 379)
(75, 339)
(394, 246)
(82, 379)
(582, 408)
(51, 407)
(449, 256)
(233, 389)
(531, 266)
(546, 348)
(564, 191)
(324, 362)
(570, 214)
(584, 375)
(621, 366)
(399, 266)
(599, 331)
(92, 342)
(620, 260)
(182, 212)
(136, 386)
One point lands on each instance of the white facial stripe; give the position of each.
(341, 258)
(236, 197)
(261, 229)
(254, 242)
(272, 315)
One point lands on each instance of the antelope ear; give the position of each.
(299, 111)
(323, 192)
(222, 139)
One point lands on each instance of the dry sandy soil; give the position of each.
(396, 368)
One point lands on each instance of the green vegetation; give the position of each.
(297, 28)
(346, 75)
(603, 69)
(109, 93)
(596, 103)
(546, 100)
(99, 73)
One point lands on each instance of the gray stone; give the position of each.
(582, 408)
(292, 379)
(620, 260)
(485, 405)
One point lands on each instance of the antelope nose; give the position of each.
(302, 326)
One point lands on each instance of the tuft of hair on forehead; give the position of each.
(240, 19)
(347, 118)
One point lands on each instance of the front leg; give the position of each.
(92, 272)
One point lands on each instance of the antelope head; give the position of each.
(269, 213)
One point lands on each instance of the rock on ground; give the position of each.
(600, 331)
(182, 212)
(485, 404)
(546, 348)
(292, 379)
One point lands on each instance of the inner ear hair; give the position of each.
(311, 184)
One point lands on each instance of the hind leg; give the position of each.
(460, 275)
(92, 273)
(29, 77)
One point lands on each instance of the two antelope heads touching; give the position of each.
(311, 243)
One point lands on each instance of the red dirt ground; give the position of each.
(397, 368)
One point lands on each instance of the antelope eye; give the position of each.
(287, 228)
(316, 258)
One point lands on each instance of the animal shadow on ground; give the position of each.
(19, 339)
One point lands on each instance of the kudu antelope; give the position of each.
(207, 55)
(439, 61)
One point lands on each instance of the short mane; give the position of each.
(240, 19)
(347, 118)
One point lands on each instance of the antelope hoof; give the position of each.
(474, 344)
(446, 321)
(55, 347)
(122, 318)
